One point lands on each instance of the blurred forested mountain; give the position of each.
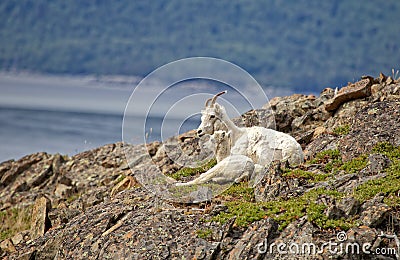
(299, 44)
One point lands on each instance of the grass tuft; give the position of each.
(238, 191)
(342, 130)
(14, 220)
(204, 233)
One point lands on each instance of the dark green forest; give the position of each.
(305, 45)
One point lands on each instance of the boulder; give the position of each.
(63, 191)
(7, 246)
(360, 89)
(40, 222)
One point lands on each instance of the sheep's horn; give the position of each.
(208, 100)
(217, 95)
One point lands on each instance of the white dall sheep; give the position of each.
(260, 144)
(251, 148)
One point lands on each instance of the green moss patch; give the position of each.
(245, 213)
(332, 161)
(388, 185)
(387, 149)
(238, 191)
(355, 165)
(284, 211)
(204, 233)
(187, 172)
(241, 204)
(342, 130)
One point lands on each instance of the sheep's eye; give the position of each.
(212, 116)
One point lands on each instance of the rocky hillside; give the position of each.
(346, 193)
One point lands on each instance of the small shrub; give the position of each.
(238, 191)
(244, 211)
(355, 165)
(330, 158)
(204, 233)
(342, 130)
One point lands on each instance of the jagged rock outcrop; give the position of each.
(91, 206)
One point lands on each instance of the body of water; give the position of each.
(25, 131)
(36, 114)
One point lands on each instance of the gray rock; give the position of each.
(350, 206)
(40, 222)
(345, 182)
(63, 191)
(20, 237)
(300, 232)
(217, 209)
(378, 163)
(369, 129)
(274, 185)
(19, 167)
(334, 212)
(5, 166)
(360, 89)
(374, 212)
(65, 180)
(255, 239)
(7, 246)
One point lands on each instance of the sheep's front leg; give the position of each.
(232, 168)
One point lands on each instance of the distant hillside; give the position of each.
(283, 43)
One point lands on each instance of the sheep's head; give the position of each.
(209, 116)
